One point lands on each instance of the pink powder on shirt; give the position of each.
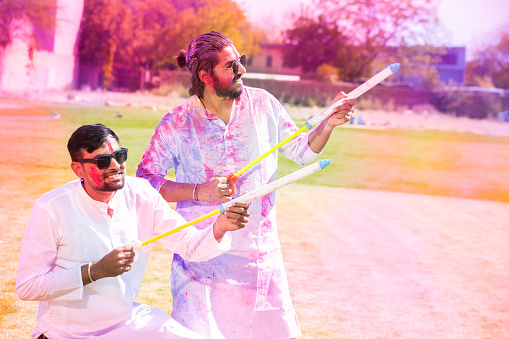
(266, 225)
(177, 116)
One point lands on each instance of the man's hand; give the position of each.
(235, 218)
(115, 263)
(215, 189)
(341, 114)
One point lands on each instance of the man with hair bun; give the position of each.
(221, 128)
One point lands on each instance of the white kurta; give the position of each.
(243, 293)
(68, 229)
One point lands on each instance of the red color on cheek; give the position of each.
(95, 175)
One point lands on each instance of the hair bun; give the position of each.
(181, 59)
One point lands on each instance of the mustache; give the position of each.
(113, 172)
(236, 77)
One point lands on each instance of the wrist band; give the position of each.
(89, 275)
(195, 193)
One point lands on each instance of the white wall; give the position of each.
(52, 70)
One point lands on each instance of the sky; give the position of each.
(467, 23)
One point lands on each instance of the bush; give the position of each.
(369, 102)
(309, 102)
(327, 73)
(467, 104)
(165, 90)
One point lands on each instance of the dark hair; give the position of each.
(89, 138)
(202, 55)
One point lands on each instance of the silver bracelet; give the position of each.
(195, 193)
(90, 275)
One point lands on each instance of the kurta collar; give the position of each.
(203, 111)
(101, 206)
(209, 115)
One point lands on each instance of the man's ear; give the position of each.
(204, 77)
(78, 169)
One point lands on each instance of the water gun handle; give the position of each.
(232, 178)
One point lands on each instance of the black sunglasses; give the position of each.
(235, 65)
(104, 161)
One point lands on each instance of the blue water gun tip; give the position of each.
(394, 67)
(324, 163)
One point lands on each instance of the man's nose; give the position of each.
(242, 69)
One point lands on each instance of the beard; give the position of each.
(109, 186)
(231, 90)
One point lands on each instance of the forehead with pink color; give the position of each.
(237, 54)
(110, 142)
(109, 146)
(228, 54)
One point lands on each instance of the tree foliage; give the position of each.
(490, 65)
(105, 26)
(149, 33)
(369, 30)
(417, 62)
(312, 43)
(15, 12)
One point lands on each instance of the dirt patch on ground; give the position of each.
(372, 264)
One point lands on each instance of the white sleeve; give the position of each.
(190, 243)
(38, 278)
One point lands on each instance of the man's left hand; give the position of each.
(341, 114)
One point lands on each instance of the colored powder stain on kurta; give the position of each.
(288, 124)
(95, 176)
(267, 205)
(177, 117)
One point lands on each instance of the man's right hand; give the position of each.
(234, 218)
(216, 189)
(115, 263)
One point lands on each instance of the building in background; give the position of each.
(269, 61)
(452, 68)
(47, 62)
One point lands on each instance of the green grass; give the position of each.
(427, 162)
(134, 128)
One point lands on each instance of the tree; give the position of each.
(200, 16)
(312, 43)
(479, 70)
(13, 13)
(416, 62)
(150, 27)
(490, 65)
(371, 27)
(501, 73)
(149, 33)
(106, 25)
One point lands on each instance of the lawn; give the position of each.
(433, 162)
(34, 160)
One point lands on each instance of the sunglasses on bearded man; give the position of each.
(235, 65)
(104, 161)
